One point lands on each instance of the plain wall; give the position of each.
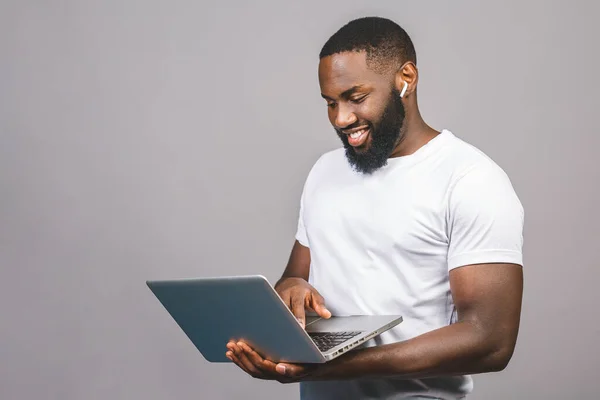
(158, 139)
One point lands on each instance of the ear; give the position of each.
(408, 76)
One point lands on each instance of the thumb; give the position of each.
(323, 311)
(319, 307)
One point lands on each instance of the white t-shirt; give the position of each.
(385, 243)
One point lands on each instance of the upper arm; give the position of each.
(489, 296)
(485, 221)
(298, 265)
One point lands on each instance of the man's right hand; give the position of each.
(299, 296)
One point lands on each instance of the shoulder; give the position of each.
(478, 185)
(468, 163)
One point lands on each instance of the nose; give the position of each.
(344, 116)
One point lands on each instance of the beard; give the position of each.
(385, 134)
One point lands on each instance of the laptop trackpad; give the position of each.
(311, 320)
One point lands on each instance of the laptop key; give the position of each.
(328, 340)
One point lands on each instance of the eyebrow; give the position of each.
(345, 93)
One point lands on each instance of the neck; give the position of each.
(415, 133)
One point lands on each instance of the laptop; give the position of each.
(212, 311)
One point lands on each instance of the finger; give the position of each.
(317, 303)
(281, 369)
(257, 360)
(297, 303)
(236, 361)
(243, 358)
(230, 347)
(291, 370)
(235, 353)
(233, 358)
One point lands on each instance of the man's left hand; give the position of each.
(257, 367)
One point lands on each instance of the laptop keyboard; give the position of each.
(328, 340)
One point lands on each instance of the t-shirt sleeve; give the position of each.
(301, 235)
(485, 219)
(301, 230)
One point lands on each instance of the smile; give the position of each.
(358, 137)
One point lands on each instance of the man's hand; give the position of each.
(257, 367)
(300, 295)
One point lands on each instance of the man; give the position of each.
(403, 220)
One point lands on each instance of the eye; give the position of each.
(358, 99)
(331, 105)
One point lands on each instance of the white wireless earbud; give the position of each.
(404, 89)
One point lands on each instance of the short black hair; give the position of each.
(387, 45)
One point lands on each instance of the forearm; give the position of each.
(461, 348)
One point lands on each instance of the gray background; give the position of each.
(149, 139)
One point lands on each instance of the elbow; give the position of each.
(499, 359)
(496, 347)
(498, 363)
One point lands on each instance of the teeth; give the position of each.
(356, 135)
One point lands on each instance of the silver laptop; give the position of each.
(212, 311)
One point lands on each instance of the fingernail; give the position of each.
(280, 368)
